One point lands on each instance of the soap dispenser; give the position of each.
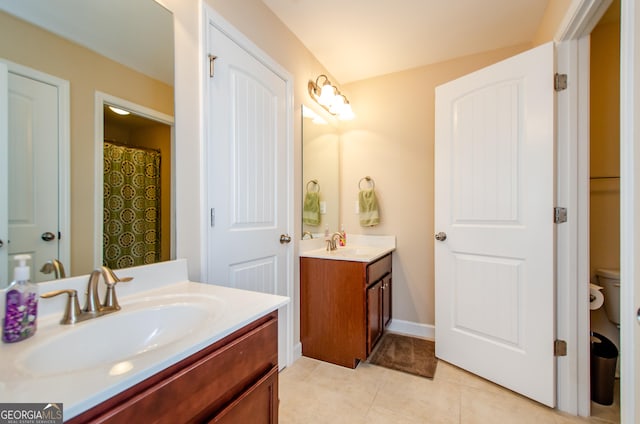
(21, 306)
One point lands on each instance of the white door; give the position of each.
(4, 174)
(33, 172)
(248, 176)
(494, 181)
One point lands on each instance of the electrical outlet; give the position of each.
(323, 207)
(357, 208)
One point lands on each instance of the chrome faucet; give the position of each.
(331, 241)
(54, 266)
(92, 307)
(307, 233)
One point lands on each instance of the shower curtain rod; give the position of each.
(121, 144)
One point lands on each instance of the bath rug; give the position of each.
(407, 354)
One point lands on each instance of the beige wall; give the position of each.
(553, 16)
(87, 73)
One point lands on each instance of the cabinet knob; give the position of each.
(441, 236)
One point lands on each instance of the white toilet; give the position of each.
(609, 279)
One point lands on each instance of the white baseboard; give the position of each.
(297, 352)
(410, 328)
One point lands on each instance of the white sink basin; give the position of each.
(140, 327)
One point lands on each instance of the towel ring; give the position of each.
(315, 182)
(367, 179)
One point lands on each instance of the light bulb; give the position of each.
(119, 111)
(346, 113)
(327, 94)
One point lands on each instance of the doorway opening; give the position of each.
(134, 174)
(604, 207)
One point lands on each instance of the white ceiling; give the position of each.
(136, 33)
(359, 39)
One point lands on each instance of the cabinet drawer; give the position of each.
(202, 387)
(258, 405)
(378, 269)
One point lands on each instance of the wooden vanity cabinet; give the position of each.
(345, 307)
(234, 380)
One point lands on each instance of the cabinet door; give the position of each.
(386, 301)
(374, 315)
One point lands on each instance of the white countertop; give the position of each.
(359, 248)
(80, 390)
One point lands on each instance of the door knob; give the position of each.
(48, 236)
(441, 236)
(285, 238)
(638, 316)
(1, 243)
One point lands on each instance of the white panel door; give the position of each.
(4, 174)
(33, 171)
(248, 177)
(494, 170)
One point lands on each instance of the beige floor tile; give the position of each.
(480, 406)
(418, 398)
(317, 392)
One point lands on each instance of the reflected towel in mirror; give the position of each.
(311, 208)
(368, 204)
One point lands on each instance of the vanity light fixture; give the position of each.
(119, 111)
(329, 97)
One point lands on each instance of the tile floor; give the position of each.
(312, 391)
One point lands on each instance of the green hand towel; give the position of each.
(369, 215)
(311, 209)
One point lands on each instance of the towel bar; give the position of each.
(367, 179)
(315, 182)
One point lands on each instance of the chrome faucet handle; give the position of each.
(110, 279)
(72, 312)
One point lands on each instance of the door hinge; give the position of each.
(559, 348)
(559, 215)
(560, 82)
(212, 58)
(213, 217)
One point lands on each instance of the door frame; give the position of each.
(100, 100)
(64, 152)
(630, 221)
(573, 243)
(211, 17)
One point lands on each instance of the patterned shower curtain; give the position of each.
(131, 206)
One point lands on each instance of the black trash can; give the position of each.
(604, 355)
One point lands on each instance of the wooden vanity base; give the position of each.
(234, 380)
(344, 308)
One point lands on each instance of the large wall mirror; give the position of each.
(100, 53)
(320, 173)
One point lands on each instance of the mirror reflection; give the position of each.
(320, 173)
(92, 47)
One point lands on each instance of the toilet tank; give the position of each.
(609, 279)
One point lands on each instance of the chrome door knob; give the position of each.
(285, 238)
(48, 236)
(441, 236)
